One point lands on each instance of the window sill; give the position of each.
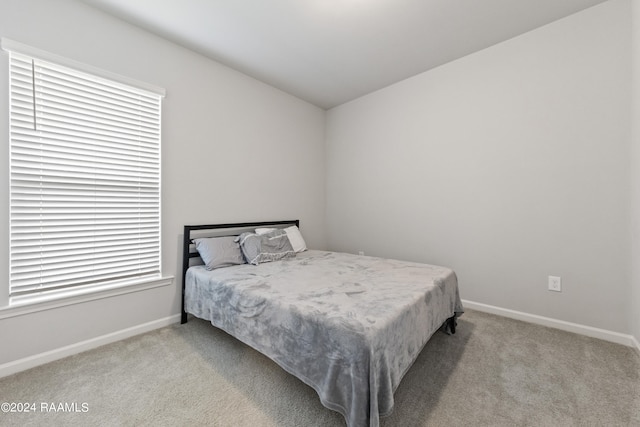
(27, 305)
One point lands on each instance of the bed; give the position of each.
(349, 326)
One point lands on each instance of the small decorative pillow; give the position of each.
(267, 247)
(297, 242)
(217, 252)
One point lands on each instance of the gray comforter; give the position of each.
(349, 326)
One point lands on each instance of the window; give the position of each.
(84, 176)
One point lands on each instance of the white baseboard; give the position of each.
(59, 353)
(637, 344)
(589, 331)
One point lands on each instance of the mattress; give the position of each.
(348, 326)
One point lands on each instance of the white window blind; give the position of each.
(85, 179)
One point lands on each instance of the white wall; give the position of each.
(234, 149)
(508, 165)
(635, 176)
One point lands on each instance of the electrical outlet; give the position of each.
(555, 283)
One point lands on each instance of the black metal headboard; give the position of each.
(188, 252)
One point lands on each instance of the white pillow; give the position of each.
(261, 231)
(297, 242)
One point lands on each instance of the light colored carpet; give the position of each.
(493, 372)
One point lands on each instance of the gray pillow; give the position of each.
(217, 252)
(270, 246)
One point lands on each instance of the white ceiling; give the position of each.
(332, 51)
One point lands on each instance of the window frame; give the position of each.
(64, 296)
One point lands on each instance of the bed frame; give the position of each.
(189, 253)
(190, 256)
(346, 393)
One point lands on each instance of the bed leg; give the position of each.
(183, 318)
(452, 324)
